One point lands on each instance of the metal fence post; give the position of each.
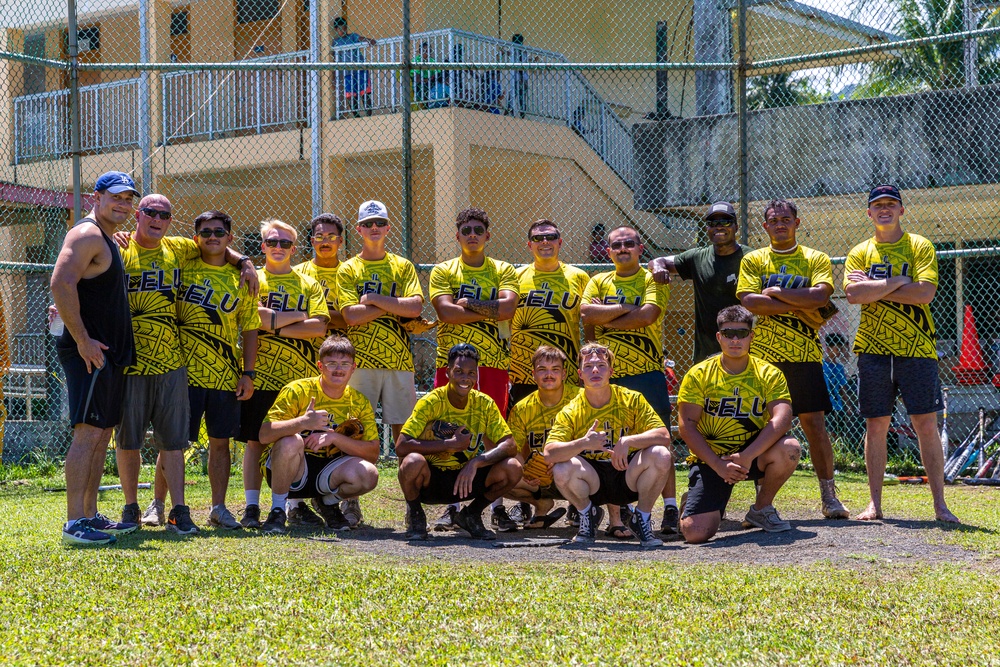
(971, 56)
(741, 122)
(315, 113)
(256, 104)
(407, 212)
(74, 107)
(145, 131)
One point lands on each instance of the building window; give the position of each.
(179, 23)
(248, 11)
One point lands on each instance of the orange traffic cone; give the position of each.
(971, 368)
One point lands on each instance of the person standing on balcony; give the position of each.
(519, 78)
(326, 233)
(355, 84)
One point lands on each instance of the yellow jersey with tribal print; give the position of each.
(461, 281)
(627, 413)
(153, 280)
(327, 279)
(548, 313)
(294, 398)
(383, 342)
(734, 407)
(898, 329)
(435, 418)
(637, 351)
(279, 359)
(212, 311)
(784, 338)
(531, 420)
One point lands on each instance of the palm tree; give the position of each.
(780, 90)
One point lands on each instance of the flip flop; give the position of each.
(619, 533)
(542, 521)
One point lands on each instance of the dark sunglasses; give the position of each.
(218, 233)
(720, 223)
(377, 222)
(733, 334)
(627, 243)
(274, 243)
(548, 236)
(153, 213)
(469, 229)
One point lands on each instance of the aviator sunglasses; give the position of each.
(627, 243)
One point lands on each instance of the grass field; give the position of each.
(907, 592)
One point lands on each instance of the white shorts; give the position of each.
(393, 389)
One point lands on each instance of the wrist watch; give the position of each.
(239, 262)
(251, 374)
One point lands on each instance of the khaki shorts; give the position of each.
(393, 389)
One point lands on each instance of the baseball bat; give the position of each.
(944, 421)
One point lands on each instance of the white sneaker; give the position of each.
(766, 519)
(154, 515)
(352, 512)
(221, 517)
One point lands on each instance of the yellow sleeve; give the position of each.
(439, 282)
(580, 281)
(248, 316)
(420, 417)
(645, 418)
(367, 416)
(593, 289)
(517, 425)
(690, 391)
(656, 293)
(409, 281)
(288, 405)
(498, 428)
(317, 302)
(562, 429)
(821, 271)
(749, 280)
(507, 280)
(777, 387)
(186, 249)
(347, 293)
(925, 263)
(855, 262)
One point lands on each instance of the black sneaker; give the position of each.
(625, 513)
(573, 516)
(588, 525)
(81, 533)
(416, 524)
(275, 523)
(522, 513)
(179, 521)
(301, 516)
(132, 514)
(251, 516)
(105, 525)
(671, 515)
(502, 521)
(447, 521)
(332, 515)
(643, 529)
(472, 524)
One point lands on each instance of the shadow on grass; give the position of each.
(731, 533)
(144, 539)
(926, 524)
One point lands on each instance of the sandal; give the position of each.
(619, 533)
(542, 521)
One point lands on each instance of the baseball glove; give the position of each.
(536, 468)
(817, 317)
(352, 428)
(443, 430)
(417, 325)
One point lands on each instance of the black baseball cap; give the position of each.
(721, 210)
(890, 191)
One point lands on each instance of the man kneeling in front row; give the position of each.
(325, 443)
(734, 413)
(608, 446)
(455, 447)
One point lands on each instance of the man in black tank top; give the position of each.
(89, 290)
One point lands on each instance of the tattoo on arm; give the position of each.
(490, 309)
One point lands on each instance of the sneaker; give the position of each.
(301, 516)
(131, 513)
(332, 516)
(154, 514)
(103, 524)
(447, 521)
(671, 516)
(573, 516)
(502, 521)
(472, 524)
(416, 524)
(179, 521)
(624, 513)
(832, 507)
(251, 516)
(351, 509)
(521, 514)
(588, 525)
(82, 533)
(766, 519)
(221, 517)
(643, 529)
(275, 523)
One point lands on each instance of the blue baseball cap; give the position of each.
(880, 191)
(115, 182)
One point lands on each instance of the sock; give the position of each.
(586, 510)
(253, 497)
(497, 503)
(278, 500)
(331, 499)
(644, 515)
(670, 502)
(477, 505)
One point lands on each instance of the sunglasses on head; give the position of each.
(733, 334)
(469, 229)
(547, 236)
(274, 243)
(154, 213)
(327, 238)
(377, 222)
(218, 233)
(627, 243)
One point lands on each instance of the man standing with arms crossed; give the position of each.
(713, 269)
(784, 285)
(375, 289)
(326, 234)
(894, 277)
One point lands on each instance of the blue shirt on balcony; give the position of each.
(355, 82)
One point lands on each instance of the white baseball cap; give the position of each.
(372, 209)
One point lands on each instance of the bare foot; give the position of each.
(871, 514)
(945, 516)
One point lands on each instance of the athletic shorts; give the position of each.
(393, 389)
(440, 490)
(707, 492)
(881, 377)
(806, 386)
(612, 489)
(161, 401)
(494, 382)
(253, 412)
(547, 493)
(653, 387)
(315, 479)
(94, 398)
(220, 409)
(519, 391)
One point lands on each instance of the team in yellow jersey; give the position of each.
(326, 234)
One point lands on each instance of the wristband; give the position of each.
(274, 320)
(277, 332)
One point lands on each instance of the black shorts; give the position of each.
(613, 489)
(253, 412)
(653, 387)
(881, 377)
(315, 479)
(806, 386)
(518, 392)
(549, 492)
(159, 401)
(440, 490)
(94, 398)
(220, 409)
(707, 492)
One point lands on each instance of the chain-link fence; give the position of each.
(594, 116)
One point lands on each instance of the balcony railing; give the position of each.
(109, 120)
